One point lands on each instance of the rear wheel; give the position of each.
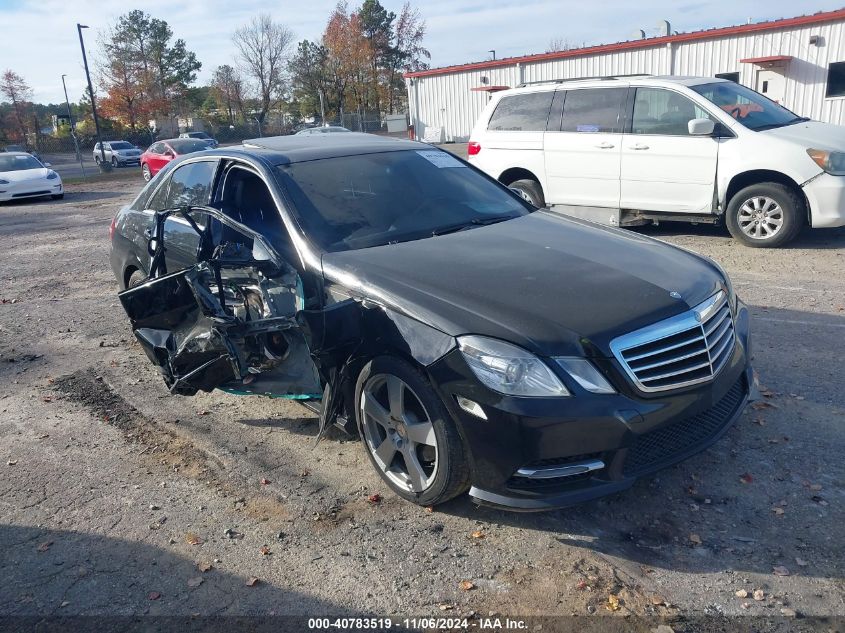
(145, 171)
(530, 191)
(408, 434)
(135, 278)
(114, 162)
(765, 215)
(97, 160)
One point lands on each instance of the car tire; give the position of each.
(137, 277)
(423, 412)
(145, 172)
(114, 162)
(97, 160)
(58, 196)
(765, 215)
(530, 191)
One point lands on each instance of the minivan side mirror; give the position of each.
(701, 127)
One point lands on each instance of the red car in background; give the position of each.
(162, 152)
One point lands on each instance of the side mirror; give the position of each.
(48, 165)
(169, 154)
(701, 127)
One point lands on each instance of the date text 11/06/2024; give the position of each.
(427, 624)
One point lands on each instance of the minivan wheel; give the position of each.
(530, 191)
(765, 215)
(145, 171)
(409, 436)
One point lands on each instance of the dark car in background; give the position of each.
(118, 153)
(200, 136)
(162, 152)
(474, 342)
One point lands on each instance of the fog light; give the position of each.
(471, 407)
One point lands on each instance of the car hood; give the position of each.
(812, 134)
(554, 285)
(23, 175)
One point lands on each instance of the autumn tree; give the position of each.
(144, 71)
(227, 89)
(15, 89)
(263, 47)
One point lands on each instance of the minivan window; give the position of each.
(658, 111)
(522, 113)
(750, 108)
(352, 202)
(191, 184)
(593, 110)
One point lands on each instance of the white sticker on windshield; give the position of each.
(440, 159)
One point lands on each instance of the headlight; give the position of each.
(832, 162)
(586, 374)
(509, 369)
(51, 175)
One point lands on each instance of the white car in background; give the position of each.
(24, 176)
(628, 151)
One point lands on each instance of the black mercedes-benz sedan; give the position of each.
(474, 342)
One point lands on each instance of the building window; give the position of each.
(522, 113)
(836, 80)
(734, 77)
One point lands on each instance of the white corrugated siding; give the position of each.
(447, 101)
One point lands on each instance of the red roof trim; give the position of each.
(490, 88)
(766, 60)
(802, 20)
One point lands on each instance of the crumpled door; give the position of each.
(228, 322)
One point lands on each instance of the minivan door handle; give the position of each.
(639, 146)
(605, 145)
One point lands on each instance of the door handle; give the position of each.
(639, 146)
(605, 145)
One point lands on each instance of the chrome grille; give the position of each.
(684, 350)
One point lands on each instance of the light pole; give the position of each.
(103, 165)
(255, 118)
(73, 129)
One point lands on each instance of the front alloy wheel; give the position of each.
(760, 217)
(410, 438)
(145, 170)
(768, 215)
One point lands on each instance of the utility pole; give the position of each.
(322, 108)
(103, 165)
(73, 129)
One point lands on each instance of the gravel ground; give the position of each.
(118, 499)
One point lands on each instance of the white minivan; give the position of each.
(628, 151)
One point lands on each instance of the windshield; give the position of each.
(198, 135)
(121, 145)
(750, 108)
(188, 145)
(18, 163)
(355, 202)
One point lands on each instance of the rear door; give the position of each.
(189, 184)
(514, 136)
(664, 168)
(582, 156)
(226, 322)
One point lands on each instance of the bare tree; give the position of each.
(264, 46)
(558, 44)
(19, 94)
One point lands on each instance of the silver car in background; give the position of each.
(118, 153)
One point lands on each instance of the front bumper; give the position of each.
(128, 160)
(30, 189)
(629, 433)
(826, 196)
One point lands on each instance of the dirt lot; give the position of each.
(118, 499)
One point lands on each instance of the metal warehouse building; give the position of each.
(799, 62)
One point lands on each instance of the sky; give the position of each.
(38, 38)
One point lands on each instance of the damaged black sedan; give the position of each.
(475, 343)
